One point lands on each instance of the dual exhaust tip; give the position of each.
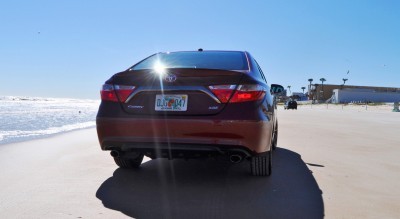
(234, 158)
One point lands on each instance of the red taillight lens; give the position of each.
(243, 93)
(123, 91)
(248, 93)
(114, 93)
(223, 92)
(108, 94)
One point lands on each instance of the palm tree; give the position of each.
(303, 88)
(322, 86)
(310, 80)
(344, 80)
(309, 88)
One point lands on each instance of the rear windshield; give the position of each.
(205, 59)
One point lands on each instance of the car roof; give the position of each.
(204, 51)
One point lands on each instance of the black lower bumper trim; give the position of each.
(165, 150)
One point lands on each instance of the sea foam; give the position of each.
(25, 118)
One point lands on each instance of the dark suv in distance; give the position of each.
(190, 104)
(290, 104)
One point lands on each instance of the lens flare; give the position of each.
(159, 68)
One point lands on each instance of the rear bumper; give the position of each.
(183, 135)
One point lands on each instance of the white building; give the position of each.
(348, 95)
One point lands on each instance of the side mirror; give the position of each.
(276, 88)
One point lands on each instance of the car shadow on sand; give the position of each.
(214, 189)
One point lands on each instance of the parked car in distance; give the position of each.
(191, 104)
(290, 104)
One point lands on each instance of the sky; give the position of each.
(69, 48)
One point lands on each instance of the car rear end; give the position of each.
(292, 105)
(187, 105)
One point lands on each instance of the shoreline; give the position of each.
(38, 137)
(28, 118)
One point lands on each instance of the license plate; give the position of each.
(175, 102)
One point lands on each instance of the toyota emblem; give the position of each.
(170, 78)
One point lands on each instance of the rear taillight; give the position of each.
(107, 93)
(223, 92)
(248, 93)
(123, 91)
(116, 93)
(243, 93)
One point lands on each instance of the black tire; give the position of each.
(129, 163)
(275, 137)
(261, 165)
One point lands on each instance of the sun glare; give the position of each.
(159, 68)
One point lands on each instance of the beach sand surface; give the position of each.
(331, 162)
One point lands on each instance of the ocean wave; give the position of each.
(46, 99)
(20, 135)
(25, 118)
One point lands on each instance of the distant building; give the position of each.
(320, 93)
(299, 96)
(348, 95)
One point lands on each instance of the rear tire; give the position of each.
(261, 165)
(128, 163)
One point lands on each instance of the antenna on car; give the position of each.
(200, 50)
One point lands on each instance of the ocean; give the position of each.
(26, 118)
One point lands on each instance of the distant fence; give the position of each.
(357, 105)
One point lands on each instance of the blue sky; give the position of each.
(68, 49)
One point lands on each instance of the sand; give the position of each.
(333, 163)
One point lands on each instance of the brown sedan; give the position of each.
(189, 105)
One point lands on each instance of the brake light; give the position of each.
(107, 93)
(246, 93)
(223, 92)
(123, 91)
(243, 93)
(116, 93)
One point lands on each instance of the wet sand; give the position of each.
(333, 163)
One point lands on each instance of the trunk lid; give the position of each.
(176, 92)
